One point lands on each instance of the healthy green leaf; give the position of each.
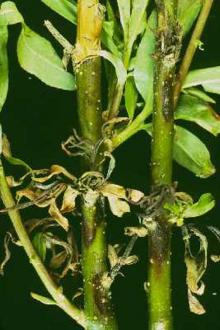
(188, 11)
(37, 56)
(143, 62)
(209, 78)
(192, 109)
(205, 203)
(131, 96)
(124, 7)
(3, 65)
(65, 8)
(190, 152)
(42, 299)
(199, 94)
(136, 21)
(9, 14)
(118, 65)
(40, 244)
(107, 38)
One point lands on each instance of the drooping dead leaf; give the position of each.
(54, 170)
(118, 206)
(130, 260)
(58, 260)
(215, 258)
(56, 215)
(134, 195)
(7, 253)
(112, 256)
(194, 305)
(90, 197)
(139, 231)
(69, 199)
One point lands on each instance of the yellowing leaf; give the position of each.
(118, 206)
(194, 305)
(57, 216)
(69, 199)
(139, 231)
(112, 256)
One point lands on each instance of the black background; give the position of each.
(36, 119)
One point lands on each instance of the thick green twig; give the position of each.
(52, 288)
(192, 47)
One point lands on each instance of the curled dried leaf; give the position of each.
(7, 253)
(134, 195)
(54, 170)
(56, 215)
(112, 256)
(139, 231)
(215, 258)
(130, 260)
(194, 304)
(69, 199)
(118, 206)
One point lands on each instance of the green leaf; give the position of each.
(40, 244)
(192, 109)
(138, 14)
(37, 56)
(209, 78)
(124, 7)
(120, 70)
(9, 14)
(188, 11)
(3, 65)
(42, 299)
(65, 8)
(200, 94)
(191, 153)
(143, 63)
(205, 203)
(131, 96)
(107, 38)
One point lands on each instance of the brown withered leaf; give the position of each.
(112, 256)
(54, 170)
(139, 231)
(134, 195)
(58, 260)
(194, 305)
(56, 215)
(118, 206)
(90, 197)
(69, 199)
(130, 260)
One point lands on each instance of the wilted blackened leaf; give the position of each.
(57, 216)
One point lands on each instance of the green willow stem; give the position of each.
(135, 126)
(52, 288)
(159, 279)
(192, 47)
(97, 299)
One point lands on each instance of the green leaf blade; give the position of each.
(205, 203)
(144, 63)
(65, 8)
(131, 97)
(190, 152)
(37, 56)
(3, 65)
(9, 14)
(188, 11)
(209, 78)
(40, 244)
(192, 109)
